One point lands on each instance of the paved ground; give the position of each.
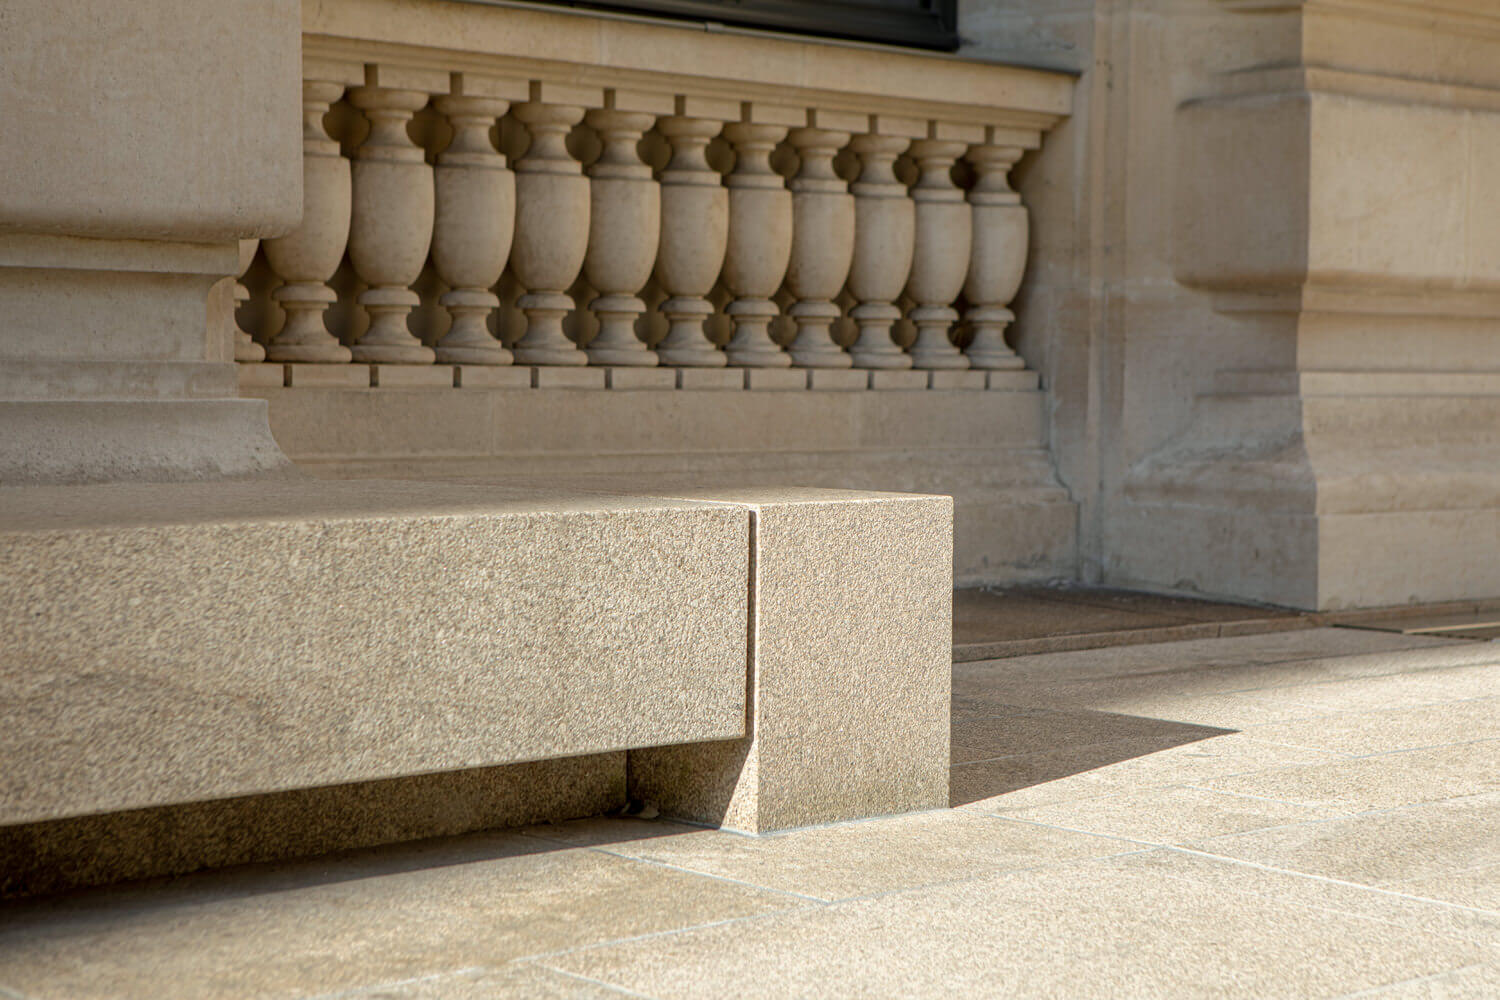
(1312, 813)
(1021, 621)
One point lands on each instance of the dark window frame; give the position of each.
(927, 24)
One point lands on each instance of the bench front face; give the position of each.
(188, 659)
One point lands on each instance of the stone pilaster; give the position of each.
(123, 208)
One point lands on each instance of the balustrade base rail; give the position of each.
(986, 448)
(263, 374)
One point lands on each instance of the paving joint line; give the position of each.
(991, 873)
(1072, 746)
(1347, 680)
(710, 875)
(1404, 672)
(538, 957)
(1274, 769)
(1345, 912)
(1470, 870)
(1428, 804)
(1434, 746)
(1395, 708)
(1361, 886)
(358, 991)
(1251, 795)
(589, 979)
(925, 885)
(1335, 754)
(1182, 845)
(1338, 818)
(1448, 642)
(1377, 990)
(1150, 844)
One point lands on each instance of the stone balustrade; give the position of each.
(493, 211)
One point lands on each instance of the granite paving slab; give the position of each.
(1095, 929)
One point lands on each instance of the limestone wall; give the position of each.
(141, 141)
(1263, 291)
(768, 260)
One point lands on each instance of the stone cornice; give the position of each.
(1297, 80)
(1353, 297)
(1457, 16)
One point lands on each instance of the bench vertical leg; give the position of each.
(849, 673)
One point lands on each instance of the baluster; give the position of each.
(940, 253)
(245, 347)
(391, 229)
(305, 259)
(822, 247)
(760, 244)
(694, 237)
(552, 232)
(471, 236)
(999, 257)
(624, 232)
(884, 236)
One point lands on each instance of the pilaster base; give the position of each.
(1341, 490)
(96, 441)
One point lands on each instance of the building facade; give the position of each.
(357, 350)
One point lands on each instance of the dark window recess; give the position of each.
(928, 24)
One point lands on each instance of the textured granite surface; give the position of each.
(852, 611)
(169, 644)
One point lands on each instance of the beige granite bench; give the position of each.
(768, 659)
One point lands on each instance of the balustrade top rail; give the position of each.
(677, 197)
(574, 47)
(929, 24)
